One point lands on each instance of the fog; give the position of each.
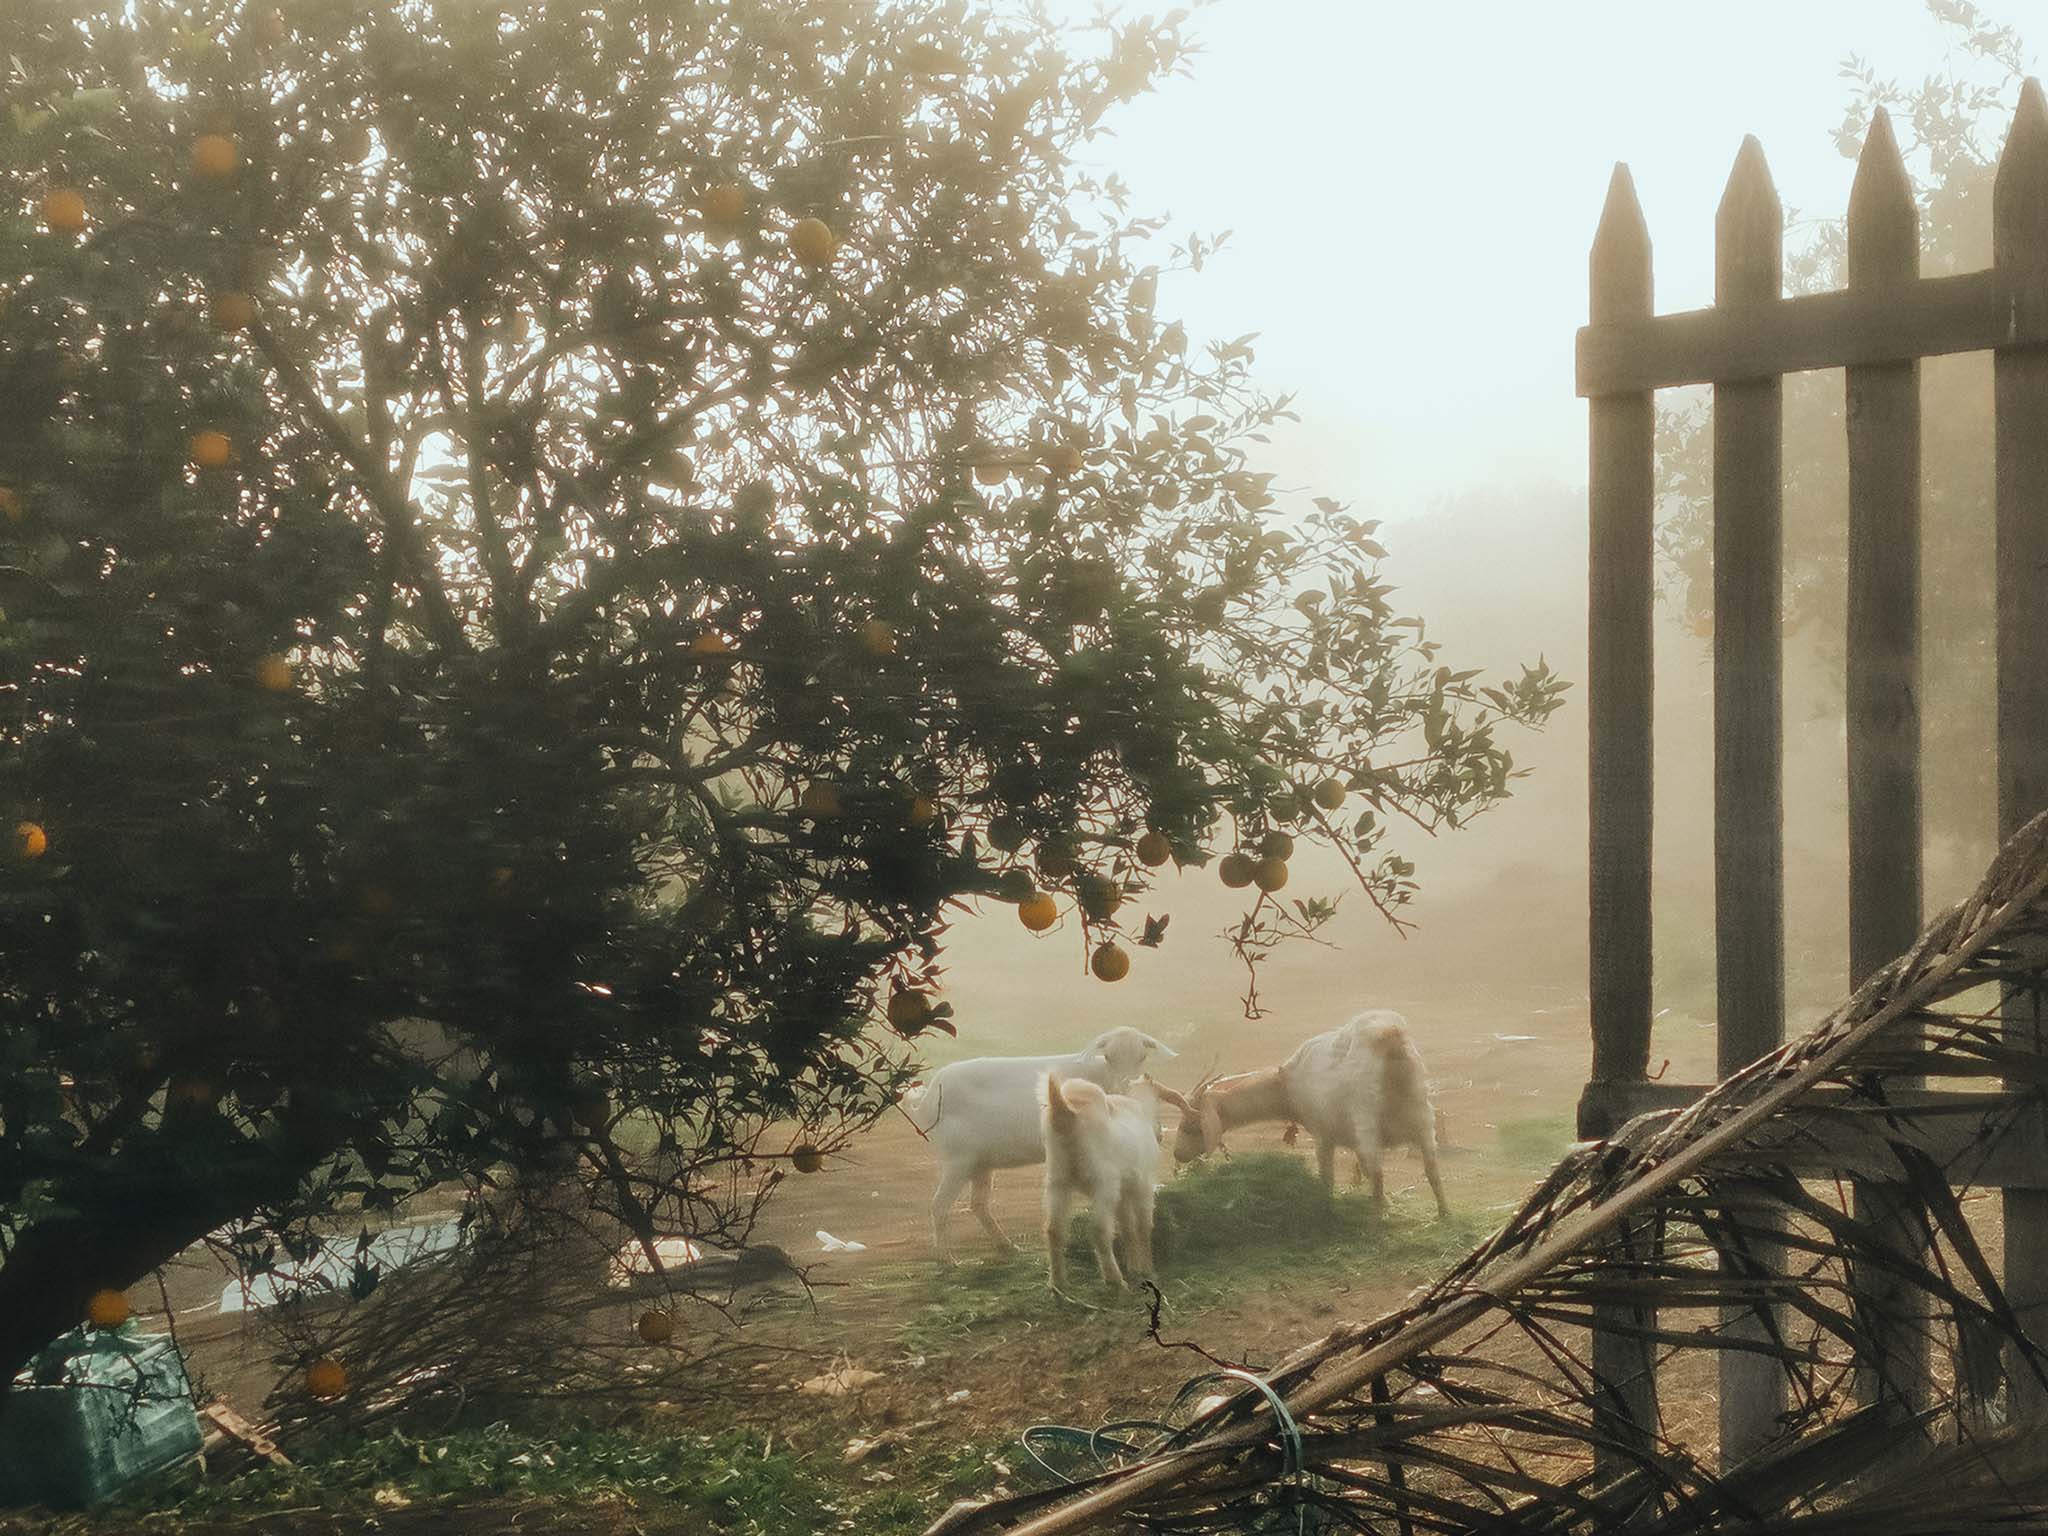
(1411, 193)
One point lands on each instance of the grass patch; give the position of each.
(722, 1482)
(1228, 1224)
(1227, 1209)
(668, 1481)
(1266, 1210)
(1537, 1141)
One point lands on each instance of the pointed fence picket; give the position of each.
(1877, 329)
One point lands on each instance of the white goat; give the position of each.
(1361, 1086)
(1104, 1148)
(984, 1114)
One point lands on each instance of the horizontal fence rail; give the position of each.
(1896, 323)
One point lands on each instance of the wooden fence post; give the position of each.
(1883, 410)
(1749, 234)
(2019, 253)
(1618, 682)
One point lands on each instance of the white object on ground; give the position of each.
(331, 1267)
(674, 1253)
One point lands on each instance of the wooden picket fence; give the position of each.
(1877, 329)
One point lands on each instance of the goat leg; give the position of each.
(980, 1195)
(950, 1181)
(1056, 1204)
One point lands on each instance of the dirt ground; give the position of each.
(968, 1357)
(1507, 1082)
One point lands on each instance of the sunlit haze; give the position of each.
(1411, 199)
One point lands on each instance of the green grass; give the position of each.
(1221, 1228)
(1537, 1141)
(681, 1482)
(722, 1480)
(1265, 1215)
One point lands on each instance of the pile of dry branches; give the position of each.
(1806, 1215)
(544, 1299)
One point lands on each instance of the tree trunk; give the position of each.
(131, 1223)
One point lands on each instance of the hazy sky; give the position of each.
(1413, 188)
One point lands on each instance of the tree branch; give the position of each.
(393, 507)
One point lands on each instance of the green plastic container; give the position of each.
(95, 1411)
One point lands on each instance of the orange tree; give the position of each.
(547, 543)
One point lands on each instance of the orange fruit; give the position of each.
(1100, 896)
(1271, 874)
(1154, 849)
(923, 810)
(10, 505)
(812, 242)
(1005, 835)
(821, 801)
(655, 1327)
(1329, 794)
(215, 155)
(210, 449)
(274, 673)
(710, 643)
(107, 1309)
(907, 1009)
(1165, 497)
(64, 210)
(1110, 962)
(1063, 460)
(591, 1111)
(326, 1377)
(1055, 861)
(991, 474)
(1276, 845)
(807, 1159)
(1237, 870)
(725, 203)
(231, 312)
(30, 840)
(877, 637)
(1038, 912)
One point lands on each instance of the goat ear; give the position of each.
(1212, 1127)
(1161, 1047)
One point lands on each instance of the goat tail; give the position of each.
(1385, 1033)
(921, 1106)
